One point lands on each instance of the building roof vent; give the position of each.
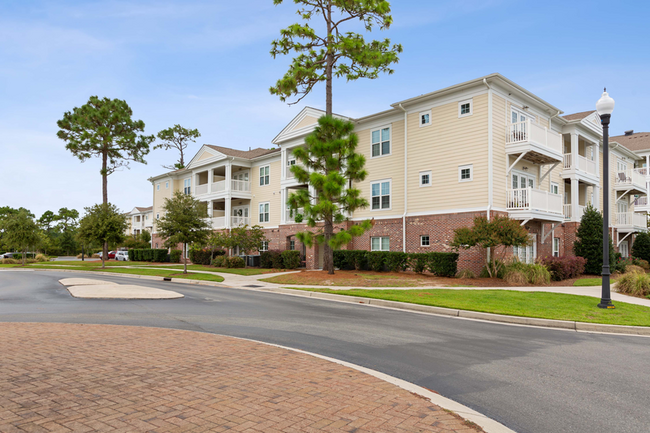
(630, 132)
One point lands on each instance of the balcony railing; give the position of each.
(292, 218)
(235, 185)
(532, 199)
(567, 211)
(201, 189)
(522, 132)
(218, 222)
(640, 202)
(631, 220)
(631, 177)
(237, 221)
(584, 164)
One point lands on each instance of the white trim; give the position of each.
(556, 185)
(390, 141)
(262, 167)
(190, 184)
(390, 194)
(422, 114)
(381, 246)
(471, 107)
(167, 185)
(553, 251)
(428, 240)
(423, 173)
(157, 187)
(259, 213)
(471, 172)
(438, 212)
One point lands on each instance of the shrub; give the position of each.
(465, 273)
(644, 264)
(634, 283)
(563, 268)
(634, 268)
(9, 261)
(235, 262)
(148, 255)
(290, 259)
(41, 258)
(517, 273)
(418, 262)
(219, 262)
(589, 241)
(538, 274)
(271, 259)
(200, 256)
(443, 264)
(622, 263)
(396, 261)
(343, 259)
(641, 246)
(175, 256)
(376, 260)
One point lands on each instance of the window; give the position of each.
(157, 187)
(264, 212)
(156, 245)
(381, 142)
(424, 241)
(157, 216)
(425, 118)
(380, 195)
(167, 185)
(556, 247)
(465, 108)
(465, 173)
(555, 188)
(527, 254)
(624, 249)
(380, 243)
(264, 246)
(425, 178)
(265, 176)
(187, 186)
(292, 245)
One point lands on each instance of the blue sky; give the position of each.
(206, 65)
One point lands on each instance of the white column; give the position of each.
(228, 176)
(210, 174)
(574, 151)
(597, 197)
(228, 211)
(210, 209)
(575, 197)
(283, 201)
(283, 164)
(597, 158)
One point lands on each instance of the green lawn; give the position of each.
(543, 305)
(244, 271)
(150, 272)
(596, 281)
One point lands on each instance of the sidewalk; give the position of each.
(70, 377)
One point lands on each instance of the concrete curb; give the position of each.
(380, 303)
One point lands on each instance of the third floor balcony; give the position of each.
(538, 143)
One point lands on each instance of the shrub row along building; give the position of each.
(435, 162)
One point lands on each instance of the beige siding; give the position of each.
(159, 197)
(499, 123)
(441, 148)
(268, 193)
(382, 168)
(305, 122)
(206, 155)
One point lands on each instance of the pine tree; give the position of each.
(641, 246)
(589, 242)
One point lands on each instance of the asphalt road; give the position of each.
(530, 379)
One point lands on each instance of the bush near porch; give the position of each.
(438, 263)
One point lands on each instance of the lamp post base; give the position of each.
(606, 304)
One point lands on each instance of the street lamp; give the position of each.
(605, 107)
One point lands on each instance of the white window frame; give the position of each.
(555, 187)
(422, 114)
(157, 187)
(471, 107)
(471, 172)
(157, 216)
(167, 185)
(428, 239)
(187, 185)
(264, 246)
(390, 141)
(381, 243)
(425, 173)
(556, 247)
(390, 194)
(267, 213)
(292, 245)
(263, 177)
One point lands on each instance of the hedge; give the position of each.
(441, 264)
(204, 256)
(563, 268)
(235, 262)
(175, 256)
(290, 259)
(274, 259)
(148, 255)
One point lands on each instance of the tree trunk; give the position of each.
(328, 252)
(105, 200)
(24, 254)
(104, 254)
(328, 229)
(184, 259)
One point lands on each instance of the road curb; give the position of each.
(380, 303)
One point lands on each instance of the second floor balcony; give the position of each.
(631, 180)
(539, 144)
(531, 203)
(641, 204)
(626, 222)
(584, 165)
(222, 186)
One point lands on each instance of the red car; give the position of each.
(111, 255)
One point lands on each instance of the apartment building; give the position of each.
(139, 219)
(435, 162)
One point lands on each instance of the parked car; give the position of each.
(122, 256)
(7, 256)
(111, 254)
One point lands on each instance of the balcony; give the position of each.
(237, 221)
(218, 222)
(290, 219)
(567, 212)
(530, 203)
(584, 165)
(237, 186)
(627, 222)
(632, 180)
(539, 144)
(641, 204)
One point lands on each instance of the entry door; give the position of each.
(242, 175)
(622, 213)
(623, 249)
(521, 181)
(527, 254)
(240, 211)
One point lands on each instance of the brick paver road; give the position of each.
(80, 378)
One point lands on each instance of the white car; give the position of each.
(122, 255)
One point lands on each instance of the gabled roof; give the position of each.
(245, 154)
(144, 209)
(635, 142)
(578, 116)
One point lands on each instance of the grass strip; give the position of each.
(148, 272)
(237, 271)
(556, 306)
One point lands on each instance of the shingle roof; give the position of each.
(578, 116)
(634, 142)
(144, 209)
(246, 154)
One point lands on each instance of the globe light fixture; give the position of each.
(605, 108)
